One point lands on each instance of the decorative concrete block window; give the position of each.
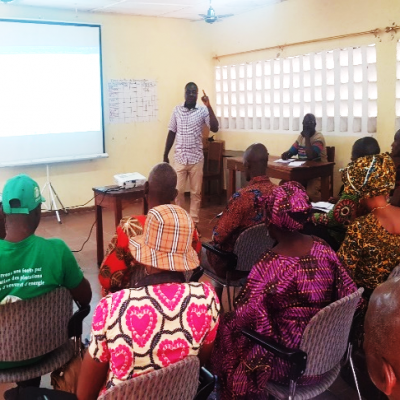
(338, 86)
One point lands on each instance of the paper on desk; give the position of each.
(284, 161)
(296, 163)
(323, 206)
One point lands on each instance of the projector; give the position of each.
(130, 180)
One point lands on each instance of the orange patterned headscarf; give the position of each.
(369, 176)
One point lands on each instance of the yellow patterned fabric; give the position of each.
(369, 251)
(369, 176)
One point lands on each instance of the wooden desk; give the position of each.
(309, 170)
(226, 153)
(112, 196)
(232, 153)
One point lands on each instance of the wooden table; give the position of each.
(307, 171)
(232, 153)
(112, 196)
(226, 153)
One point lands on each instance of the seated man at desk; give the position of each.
(244, 209)
(310, 145)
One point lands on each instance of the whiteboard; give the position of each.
(132, 100)
(51, 102)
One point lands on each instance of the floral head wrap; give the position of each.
(286, 200)
(369, 176)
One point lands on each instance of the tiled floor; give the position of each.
(74, 230)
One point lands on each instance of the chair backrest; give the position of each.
(250, 245)
(330, 153)
(214, 158)
(34, 327)
(326, 336)
(178, 381)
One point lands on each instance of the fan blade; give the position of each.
(203, 15)
(225, 15)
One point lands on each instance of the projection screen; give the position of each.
(51, 105)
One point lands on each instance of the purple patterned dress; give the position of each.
(280, 297)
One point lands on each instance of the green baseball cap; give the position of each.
(24, 189)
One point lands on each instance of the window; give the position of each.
(338, 86)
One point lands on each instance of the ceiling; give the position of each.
(187, 9)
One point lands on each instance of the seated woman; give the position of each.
(159, 321)
(285, 289)
(371, 248)
(119, 267)
(332, 226)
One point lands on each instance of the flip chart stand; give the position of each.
(50, 203)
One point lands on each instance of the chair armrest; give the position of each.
(297, 358)
(75, 323)
(206, 384)
(229, 257)
(24, 393)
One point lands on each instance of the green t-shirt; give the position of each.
(36, 266)
(33, 267)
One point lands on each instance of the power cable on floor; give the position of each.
(95, 221)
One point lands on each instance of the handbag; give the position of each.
(65, 378)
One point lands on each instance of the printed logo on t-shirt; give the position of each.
(19, 278)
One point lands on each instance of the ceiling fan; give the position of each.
(211, 17)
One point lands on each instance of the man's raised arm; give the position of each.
(214, 125)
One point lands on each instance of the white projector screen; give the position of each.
(51, 105)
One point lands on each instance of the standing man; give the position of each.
(186, 125)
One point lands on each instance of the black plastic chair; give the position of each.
(206, 386)
(249, 247)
